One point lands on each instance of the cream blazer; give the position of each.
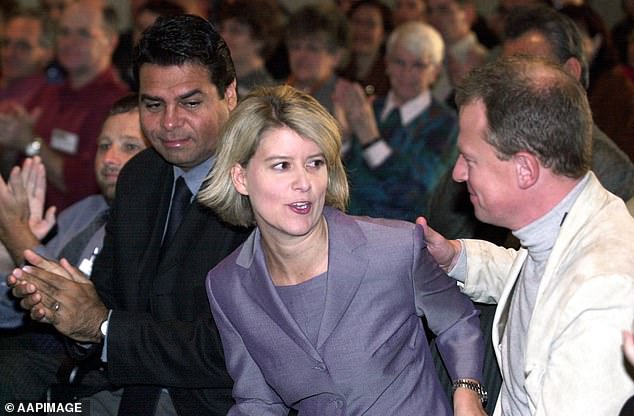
(574, 363)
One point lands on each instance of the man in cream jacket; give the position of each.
(565, 296)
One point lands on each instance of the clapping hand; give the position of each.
(59, 294)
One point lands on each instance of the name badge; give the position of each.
(64, 141)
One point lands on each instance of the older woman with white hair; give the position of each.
(318, 311)
(400, 145)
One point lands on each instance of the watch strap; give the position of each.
(473, 386)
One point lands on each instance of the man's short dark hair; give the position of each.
(314, 19)
(264, 18)
(47, 36)
(533, 105)
(186, 39)
(560, 31)
(125, 104)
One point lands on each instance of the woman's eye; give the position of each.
(281, 166)
(316, 163)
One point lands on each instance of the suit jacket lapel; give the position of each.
(504, 304)
(148, 263)
(258, 284)
(346, 269)
(191, 225)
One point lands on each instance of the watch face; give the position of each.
(33, 148)
(104, 328)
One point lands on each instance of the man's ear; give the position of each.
(526, 169)
(573, 66)
(231, 95)
(239, 179)
(471, 14)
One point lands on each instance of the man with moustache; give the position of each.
(148, 307)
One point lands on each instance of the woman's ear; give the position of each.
(239, 179)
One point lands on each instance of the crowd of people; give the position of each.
(349, 208)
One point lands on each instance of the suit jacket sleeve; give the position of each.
(487, 271)
(250, 390)
(450, 314)
(161, 331)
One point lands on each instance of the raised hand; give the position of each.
(34, 180)
(354, 110)
(16, 125)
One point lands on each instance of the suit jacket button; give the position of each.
(320, 367)
(338, 404)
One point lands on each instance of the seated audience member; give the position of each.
(26, 47)
(55, 8)
(566, 295)
(143, 17)
(252, 30)
(31, 356)
(543, 32)
(55, 72)
(610, 91)
(398, 145)
(454, 19)
(409, 11)
(61, 123)
(319, 311)
(148, 299)
(316, 39)
(369, 25)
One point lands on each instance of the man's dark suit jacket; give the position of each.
(161, 330)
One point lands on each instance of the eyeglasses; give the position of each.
(309, 46)
(18, 44)
(402, 64)
(81, 33)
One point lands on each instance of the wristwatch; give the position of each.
(103, 328)
(473, 386)
(33, 148)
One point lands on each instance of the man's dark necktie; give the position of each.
(72, 251)
(392, 130)
(142, 400)
(180, 203)
(390, 124)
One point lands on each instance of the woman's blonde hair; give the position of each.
(265, 109)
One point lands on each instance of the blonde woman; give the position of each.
(320, 311)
